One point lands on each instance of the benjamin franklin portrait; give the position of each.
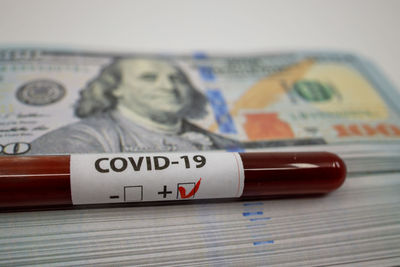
(135, 105)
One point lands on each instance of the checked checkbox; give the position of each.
(187, 190)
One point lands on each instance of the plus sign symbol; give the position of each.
(165, 192)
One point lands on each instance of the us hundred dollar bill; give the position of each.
(55, 101)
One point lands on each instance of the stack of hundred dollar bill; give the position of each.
(62, 101)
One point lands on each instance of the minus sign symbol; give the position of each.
(174, 162)
(114, 197)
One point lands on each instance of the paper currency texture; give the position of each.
(54, 101)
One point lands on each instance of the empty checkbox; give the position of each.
(133, 193)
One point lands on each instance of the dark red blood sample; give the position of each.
(28, 181)
(273, 174)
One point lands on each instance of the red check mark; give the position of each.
(182, 190)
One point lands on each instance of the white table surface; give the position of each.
(369, 28)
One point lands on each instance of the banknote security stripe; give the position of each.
(207, 73)
(27, 181)
(200, 55)
(221, 112)
(215, 97)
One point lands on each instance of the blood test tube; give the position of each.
(297, 173)
(31, 181)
